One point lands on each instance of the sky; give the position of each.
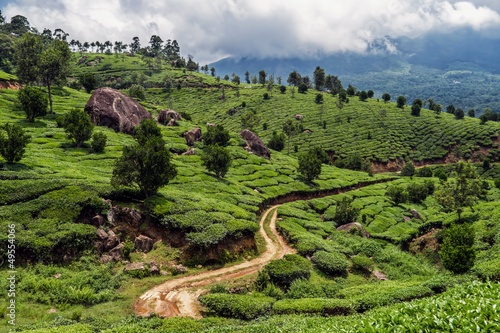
(213, 29)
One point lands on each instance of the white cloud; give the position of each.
(216, 28)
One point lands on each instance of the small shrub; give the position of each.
(284, 271)
(397, 193)
(282, 89)
(137, 91)
(217, 159)
(34, 102)
(12, 146)
(216, 135)
(362, 263)
(424, 172)
(408, 169)
(345, 212)
(266, 96)
(262, 281)
(99, 142)
(272, 291)
(331, 263)
(238, 306)
(457, 251)
(78, 126)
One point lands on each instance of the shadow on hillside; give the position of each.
(14, 167)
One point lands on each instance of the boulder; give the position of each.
(117, 252)
(112, 108)
(307, 132)
(106, 258)
(168, 114)
(416, 215)
(154, 270)
(82, 60)
(255, 144)
(101, 235)
(379, 275)
(210, 124)
(98, 220)
(299, 116)
(111, 242)
(172, 123)
(135, 266)
(192, 136)
(189, 152)
(143, 243)
(126, 215)
(178, 269)
(347, 227)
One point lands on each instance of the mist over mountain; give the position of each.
(459, 68)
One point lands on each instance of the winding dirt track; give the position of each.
(178, 297)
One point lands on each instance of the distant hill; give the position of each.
(459, 69)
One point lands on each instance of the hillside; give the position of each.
(206, 223)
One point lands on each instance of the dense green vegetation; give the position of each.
(57, 184)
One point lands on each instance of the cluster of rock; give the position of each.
(193, 136)
(347, 227)
(169, 117)
(150, 266)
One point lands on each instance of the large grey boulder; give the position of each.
(255, 144)
(110, 107)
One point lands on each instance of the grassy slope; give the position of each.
(51, 159)
(362, 127)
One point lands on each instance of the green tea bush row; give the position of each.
(314, 305)
(238, 306)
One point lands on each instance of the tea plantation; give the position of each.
(338, 280)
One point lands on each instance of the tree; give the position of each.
(147, 129)
(2, 18)
(262, 77)
(302, 88)
(309, 166)
(415, 110)
(351, 90)
(88, 81)
(294, 79)
(437, 107)
(78, 126)
(319, 78)
(146, 166)
(471, 113)
(46, 63)
(450, 109)
(320, 154)
(135, 46)
(483, 118)
(98, 142)
(401, 101)
(457, 251)
(249, 120)
(461, 191)
(289, 128)
(418, 102)
(236, 79)
(386, 97)
(212, 71)
(282, 89)
(216, 159)
(459, 113)
(319, 98)
(12, 146)
(397, 193)
(370, 93)
(34, 102)
(226, 77)
(408, 169)
(277, 141)
(247, 77)
(363, 96)
(345, 212)
(216, 135)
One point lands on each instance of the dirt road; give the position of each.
(178, 297)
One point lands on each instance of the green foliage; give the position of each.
(88, 81)
(309, 166)
(302, 288)
(238, 306)
(137, 91)
(457, 251)
(99, 142)
(345, 212)
(335, 307)
(249, 120)
(386, 97)
(362, 263)
(397, 193)
(34, 102)
(284, 271)
(262, 281)
(331, 263)
(146, 166)
(216, 135)
(408, 169)
(302, 88)
(217, 159)
(424, 172)
(417, 192)
(460, 192)
(12, 146)
(277, 141)
(282, 89)
(78, 126)
(147, 129)
(401, 101)
(318, 99)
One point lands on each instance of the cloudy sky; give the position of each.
(213, 29)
